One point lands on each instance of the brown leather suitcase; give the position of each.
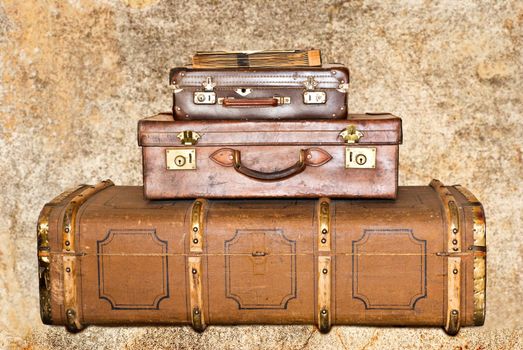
(240, 159)
(108, 257)
(260, 93)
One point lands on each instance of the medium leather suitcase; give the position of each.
(108, 257)
(260, 93)
(239, 159)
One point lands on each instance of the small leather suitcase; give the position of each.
(238, 159)
(260, 93)
(108, 257)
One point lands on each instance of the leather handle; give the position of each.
(250, 102)
(229, 157)
(294, 169)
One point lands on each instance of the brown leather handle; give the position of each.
(307, 157)
(295, 169)
(250, 102)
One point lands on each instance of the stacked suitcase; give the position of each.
(264, 202)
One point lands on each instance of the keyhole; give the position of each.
(179, 161)
(361, 159)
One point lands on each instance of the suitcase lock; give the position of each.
(208, 96)
(313, 97)
(357, 157)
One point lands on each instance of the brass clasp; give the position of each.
(351, 135)
(189, 137)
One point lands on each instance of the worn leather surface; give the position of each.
(259, 260)
(265, 83)
(269, 147)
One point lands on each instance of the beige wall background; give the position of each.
(77, 75)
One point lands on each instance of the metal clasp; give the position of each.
(311, 83)
(207, 97)
(208, 84)
(188, 137)
(350, 134)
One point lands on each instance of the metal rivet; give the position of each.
(455, 271)
(333, 114)
(67, 269)
(333, 72)
(67, 243)
(324, 271)
(342, 108)
(454, 241)
(323, 311)
(195, 241)
(454, 312)
(195, 229)
(178, 109)
(323, 240)
(194, 271)
(196, 311)
(66, 230)
(454, 230)
(324, 231)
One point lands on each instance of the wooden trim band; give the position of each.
(44, 254)
(480, 255)
(195, 265)
(453, 313)
(69, 258)
(324, 271)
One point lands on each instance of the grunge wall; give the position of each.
(77, 75)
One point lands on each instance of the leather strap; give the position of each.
(453, 319)
(69, 257)
(324, 272)
(250, 102)
(229, 157)
(195, 265)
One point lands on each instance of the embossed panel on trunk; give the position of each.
(260, 269)
(394, 260)
(139, 254)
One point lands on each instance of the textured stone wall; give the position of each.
(77, 75)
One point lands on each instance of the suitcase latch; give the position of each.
(189, 137)
(208, 96)
(313, 97)
(350, 134)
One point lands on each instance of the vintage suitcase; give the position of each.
(108, 257)
(238, 159)
(260, 93)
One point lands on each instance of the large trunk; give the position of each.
(233, 159)
(109, 257)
